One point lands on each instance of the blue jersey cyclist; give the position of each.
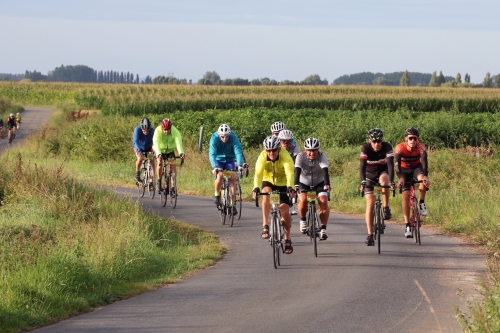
(143, 143)
(225, 148)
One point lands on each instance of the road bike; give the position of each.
(12, 133)
(147, 172)
(170, 183)
(415, 217)
(227, 202)
(378, 224)
(313, 222)
(276, 232)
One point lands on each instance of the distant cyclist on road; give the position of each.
(411, 162)
(274, 171)
(166, 140)
(11, 125)
(376, 166)
(311, 169)
(18, 120)
(225, 148)
(143, 143)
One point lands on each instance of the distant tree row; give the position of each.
(81, 73)
(11, 77)
(213, 78)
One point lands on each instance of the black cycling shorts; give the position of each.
(283, 189)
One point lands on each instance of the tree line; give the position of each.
(82, 73)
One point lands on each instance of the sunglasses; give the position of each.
(224, 136)
(286, 141)
(272, 150)
(412, 138)
(376, 141)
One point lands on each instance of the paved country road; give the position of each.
(349, 287)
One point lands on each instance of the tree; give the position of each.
(467, 78)
(405, 80)
(440, 79)
(137, 79)
(496, 81)
(381, 81)
(433, 81)
(487, 81)
(314, 79)
(458, 79)
(210, 78)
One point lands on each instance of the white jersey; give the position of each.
(312, 173)
(294, 151)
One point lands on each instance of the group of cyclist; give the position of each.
(13, 125)
(377, 165)
(281, 166)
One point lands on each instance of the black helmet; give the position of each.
(412, 131)
(145, 124)
(375, 134)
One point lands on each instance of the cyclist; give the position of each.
(311, 169)
(276, 129)
(274, 172)
(11, 125)
(225, 148)
(143, 143)
(166, 139)
(376, 166)
(411, 162)
(287, 142)
(18, 120)
(1, 127)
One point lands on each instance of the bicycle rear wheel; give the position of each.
(274, 241)
(163, 193)
(239, 199)
(173, 192)
(231, 209)
(377, 224)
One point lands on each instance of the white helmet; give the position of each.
(224, 130)
(285, 135)
(18, 114)
(311, 143)
(271, 143)
(11, 115)
(277, 127)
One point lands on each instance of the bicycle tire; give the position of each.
(412, 219)
(223, 209)
(173, 194)
(152, 188)
(377, 224)
(239, 199)
(312, 228)
(142, 187)
(231, 210)
(417, 225)
(274, 240)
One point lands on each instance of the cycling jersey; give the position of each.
(18, 119)
(311, 172)
(141, 141)
(11, 122)
(225, 151)
(375, 162)
(164, 144)
(413, 159)
(278, 172)
(293, 151)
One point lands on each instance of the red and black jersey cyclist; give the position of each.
(11, 124)
(411, 162)
(376, 166)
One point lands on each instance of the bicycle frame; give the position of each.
(227, 200)
(313, 222)
(276, 232)
(147, 170)
(170, 182)
(415, 217)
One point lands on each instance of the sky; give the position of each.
(278, 39)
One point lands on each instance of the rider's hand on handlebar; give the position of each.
(327, 188)
(214, 171)
(245, 166)
(393, 185)
(255, 192)
(183, 155)
(291, 192)
(362, 185)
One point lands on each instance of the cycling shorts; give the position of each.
(410, 174)
(168, 155)
(320, 188)
(225, 165)
(373, 179)
(284, 198)
(150, 150)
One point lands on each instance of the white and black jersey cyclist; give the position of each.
(287, 142)
(311, 169)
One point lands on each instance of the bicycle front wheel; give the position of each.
(377, 221)
(151, 185)
(173, 192)
(414, 219)
(142, 186)
(275, 240)
(223, 209)
(239, 199)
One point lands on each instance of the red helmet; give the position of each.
(166, 124)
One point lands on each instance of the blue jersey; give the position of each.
(141, 141)
(225, 152)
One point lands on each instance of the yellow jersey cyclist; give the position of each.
(18, 120)
(166, 139)
(376, 166)
(311, 169)
(142, 141)
(274, 171)
(411, 162)
(224, 149)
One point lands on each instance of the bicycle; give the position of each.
(226, 199)
(415, 217)
(313, 222)
(170, 188)
(12, 134)
(239, 193)
(147, 172)
(276, 232)
(378, 224)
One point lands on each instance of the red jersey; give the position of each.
(409, 159)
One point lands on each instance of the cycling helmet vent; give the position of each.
(285, 135)
(277, 127)
(375, 134)
(166, 124)
(412, 131)
(271, 143)
(224, 130)
(311, 143)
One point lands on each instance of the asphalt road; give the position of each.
(349, 287)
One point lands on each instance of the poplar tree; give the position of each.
(458, 79)
(405, 80)
(432, 82)
(441, 79)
